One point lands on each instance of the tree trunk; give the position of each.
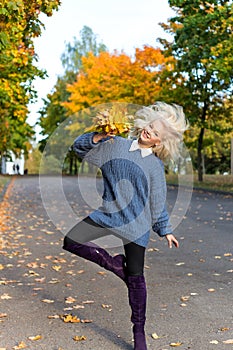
(200, 144)
(199, 155)
(75, 166)
(71, 164)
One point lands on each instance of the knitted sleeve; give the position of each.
(86, 149)
(163, 226)
(160, 218)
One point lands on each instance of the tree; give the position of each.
(72, 56)
(54, 112)
(117, 77)
(20, 24)
(203, 48)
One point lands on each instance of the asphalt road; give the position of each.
(190, 290)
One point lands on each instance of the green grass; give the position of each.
(210, 182)
(3, 180)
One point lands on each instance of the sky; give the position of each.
(119, 24)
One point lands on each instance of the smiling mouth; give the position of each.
(146, 134)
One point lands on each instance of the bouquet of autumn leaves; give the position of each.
(112, 120)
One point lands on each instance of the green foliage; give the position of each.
(19, 25)
(202, 78)
(53, 112)
(72, 56)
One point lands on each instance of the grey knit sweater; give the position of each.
(134, 192)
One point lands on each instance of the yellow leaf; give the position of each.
(5, 296)
(47, 301)
(53, 316)
(86, 321)
(70, 319)
(79, 337)
(229, 341)
(56, 267)
(176, 344)
(224, 329)
(155, 336)
(70, 300)
(21, 345)
(36, 337)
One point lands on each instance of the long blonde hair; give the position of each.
(174, 122)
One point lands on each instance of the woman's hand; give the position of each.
(171, 239)
(100, 136)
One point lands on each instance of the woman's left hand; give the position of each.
(171, 239)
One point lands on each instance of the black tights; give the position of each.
(87, 230)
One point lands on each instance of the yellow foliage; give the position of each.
(114, 120)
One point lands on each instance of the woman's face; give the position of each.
(151, 135)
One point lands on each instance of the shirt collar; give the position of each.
(144, 151)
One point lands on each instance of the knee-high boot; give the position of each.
(137, 300)
(98, 255)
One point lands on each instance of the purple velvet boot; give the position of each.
(137, 300)
(98, 255)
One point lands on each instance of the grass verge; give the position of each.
(210, 182)
(4, 179)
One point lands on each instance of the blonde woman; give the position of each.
(133, 199)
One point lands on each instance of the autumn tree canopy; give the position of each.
(116, 77)
(19, 24)
(203, 49)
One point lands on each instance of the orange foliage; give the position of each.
(117, 77)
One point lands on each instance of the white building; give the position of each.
(15, 166)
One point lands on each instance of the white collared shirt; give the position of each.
(144, 151)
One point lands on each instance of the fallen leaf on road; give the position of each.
(79, 337)
(56, 267)
(229, 341)
(185, 298)
(3, 315)
(214, 342)
(86, 321)
(70, 300)
(36, 337)
(175, 344)
(53, 316)
(70, 319)
(224, 329)
(88, 302)
(155, 336)
(179, 264)
(6, 296)
(211, 290)
(78, 307)
(47, 301)
(21, 345)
